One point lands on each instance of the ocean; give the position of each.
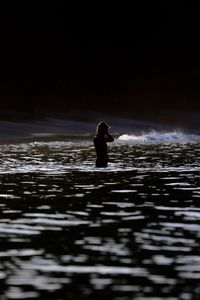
(69, 230)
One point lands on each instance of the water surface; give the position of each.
(130, 231)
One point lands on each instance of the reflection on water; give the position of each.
(70, 231)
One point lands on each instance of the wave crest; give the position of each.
(156, 137)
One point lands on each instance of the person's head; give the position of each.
(102, 128)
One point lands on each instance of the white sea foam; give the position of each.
(161, 137)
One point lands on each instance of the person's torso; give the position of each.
(100, 147)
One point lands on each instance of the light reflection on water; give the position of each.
(71, 231)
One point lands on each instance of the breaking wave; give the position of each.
(163, 137)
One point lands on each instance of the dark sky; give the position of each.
(120, 59)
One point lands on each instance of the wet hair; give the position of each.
(102, 128)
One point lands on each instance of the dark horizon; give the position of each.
(139, 64)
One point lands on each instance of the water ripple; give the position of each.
(129, 231)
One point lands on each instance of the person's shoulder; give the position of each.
(95, 138)
(98, 139)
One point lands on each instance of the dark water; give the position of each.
(131, 231)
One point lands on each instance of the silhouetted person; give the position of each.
(100, 140)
